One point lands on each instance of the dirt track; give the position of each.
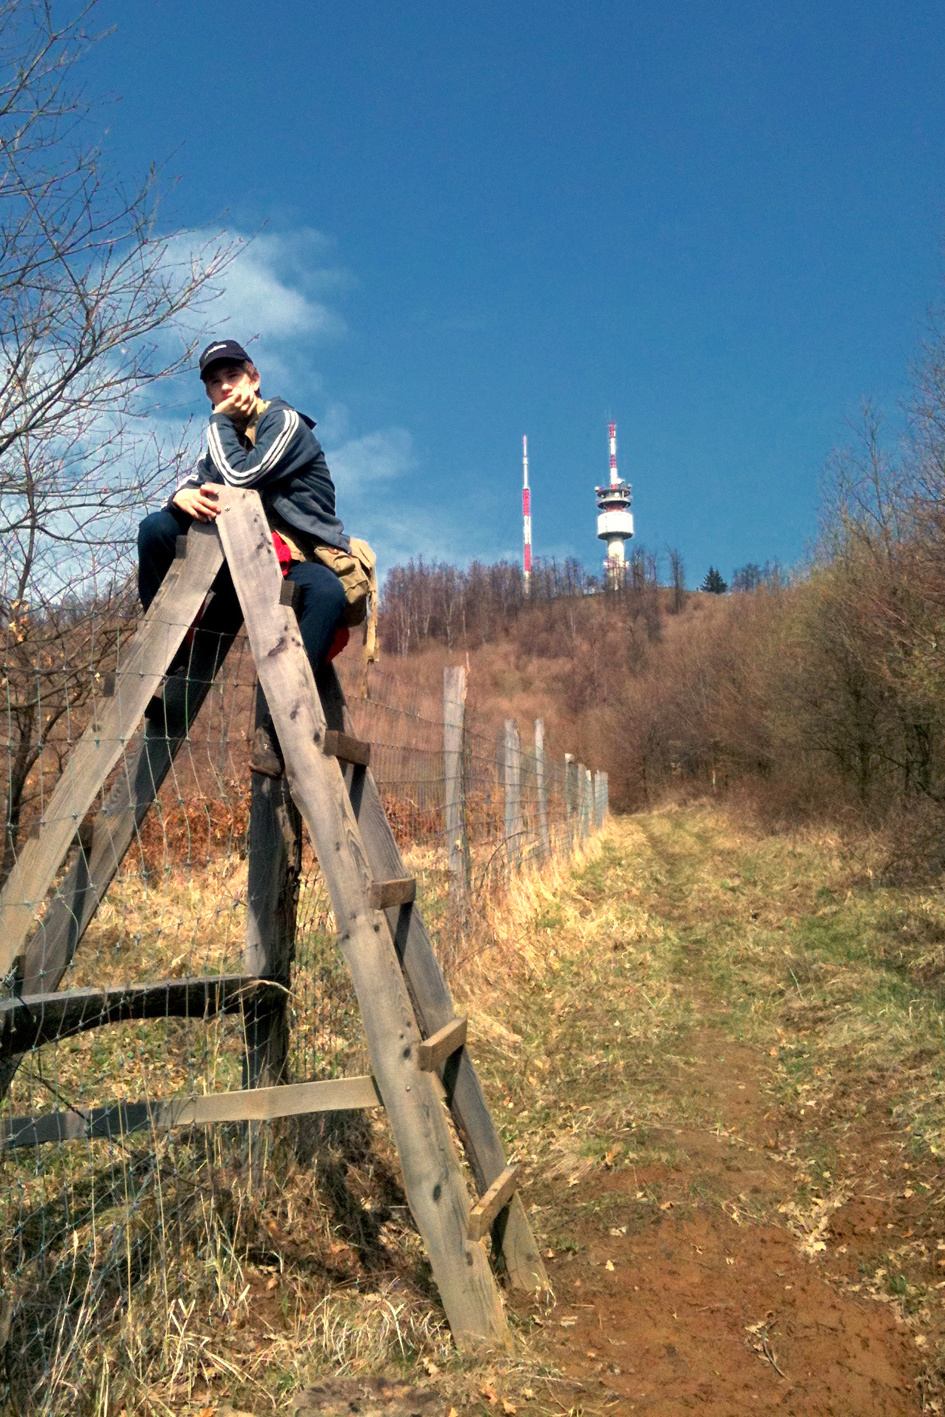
(701, 1308)
(729, 1090)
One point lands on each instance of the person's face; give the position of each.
(225, 379)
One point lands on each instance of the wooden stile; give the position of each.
(416, 1043)
(512, 1235)
(432, 1177)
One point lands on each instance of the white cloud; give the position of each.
(358, 465)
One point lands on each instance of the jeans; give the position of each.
(320, 605)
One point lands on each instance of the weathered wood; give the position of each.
(31, 1020)
(348, 749)
(457, 839)
(434, 1051)
(258, 1104)
(432, 1176)
(52, 945)
(103, 742)
(512, 1236)
(483, 1214)
(274, 870)
(385, 894)
(512, 784)
(541, 788)
(598, 799)
(571, 797)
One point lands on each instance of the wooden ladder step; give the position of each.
(385, 894)
(348, 749)
(441, 1045)
(484, 1212)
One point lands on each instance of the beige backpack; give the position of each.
(357, 572)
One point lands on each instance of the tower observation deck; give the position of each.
(614, 519)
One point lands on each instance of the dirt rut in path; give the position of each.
(676, 1292)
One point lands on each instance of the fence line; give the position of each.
(120, 1216)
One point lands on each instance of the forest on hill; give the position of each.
(816, 694)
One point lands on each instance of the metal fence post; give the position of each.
(454, 722)
(512, 764)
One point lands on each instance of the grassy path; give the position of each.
(722, 1064)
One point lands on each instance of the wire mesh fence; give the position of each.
(134, 993)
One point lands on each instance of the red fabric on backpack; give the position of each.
(283, 554)
(342, 636)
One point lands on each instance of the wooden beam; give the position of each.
(71, 909)
(434, 1008)
(29, 1021)
(433, 1179)
(384, 895)
(484, 1212)
(272, 893)
(454, 726)
(113, 724)
(348, 749)
(443, 1044)
(257, 1104)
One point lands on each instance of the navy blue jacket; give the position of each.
(286, 466)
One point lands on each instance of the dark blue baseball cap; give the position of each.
(222, 351)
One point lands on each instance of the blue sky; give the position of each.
(719, 224)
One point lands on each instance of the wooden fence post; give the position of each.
(541, 788)
(512, 764)
(457, 839)
(272, 894)
(598, 799)
(571, 797)
(588, 802)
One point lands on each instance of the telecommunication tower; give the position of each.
(614, 520)
(526, 520)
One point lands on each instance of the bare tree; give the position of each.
(91, 299)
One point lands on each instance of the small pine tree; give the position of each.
(714, 583)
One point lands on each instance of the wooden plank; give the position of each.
(272, 893)
(385, 894)
(113, 723)
(512, 782)
(541, 787)
(348, 749)
(258, 1104)
(454, 726)
(484, 1212)
(434, 1051)
(52, 946)
(571, 802)
(433, 1179)
(434, 1008)
(29, 1021)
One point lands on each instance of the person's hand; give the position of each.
(199, 502)
(240, 405)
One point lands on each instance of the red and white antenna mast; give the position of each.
(526, 520)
